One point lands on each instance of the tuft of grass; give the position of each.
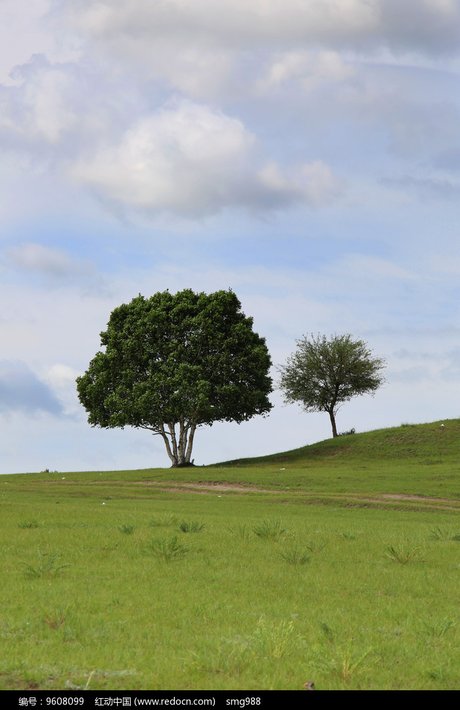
(126, 529)
(403, 553)
(168, 549)
(270, 530)
(315, 545)
(443, 534)
(439, 533)
(439, 628)
(348, 536)
(295, 556)
(48, 566)
(341, 660)
(242, 531)
(28, 524)
(191, 526)
(328, 633)
(55, 619)
(268, 643)
(271, 639)
(346, 664)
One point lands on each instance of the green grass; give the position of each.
(321, 578)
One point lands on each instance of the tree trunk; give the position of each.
(333, 424)
(180, 447)
(191, 435)
(164, 436)
(175, 452)
(182, 444)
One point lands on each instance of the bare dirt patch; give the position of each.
(419, 502)
(421, 499)
(206, 487)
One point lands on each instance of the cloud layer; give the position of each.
(176, 139)
(428, 26)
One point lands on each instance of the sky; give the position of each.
(304, 154)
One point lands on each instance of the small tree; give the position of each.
(324, 373)
(173, 363)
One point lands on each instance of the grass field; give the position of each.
(337, 563)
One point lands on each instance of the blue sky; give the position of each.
(306, 155)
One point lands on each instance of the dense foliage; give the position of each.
(175, 362)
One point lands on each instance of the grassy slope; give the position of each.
(433, 442)
(422, 460)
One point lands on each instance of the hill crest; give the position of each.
(433, 440)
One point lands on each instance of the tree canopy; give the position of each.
(173, 363)
(324, 373)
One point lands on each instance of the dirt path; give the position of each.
(208, 487)
(423, 499)
(383, 498)
(419, 502)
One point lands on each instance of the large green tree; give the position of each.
(324, 373)
(172, 363)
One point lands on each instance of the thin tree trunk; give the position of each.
(182, 443)
(191, 435)
(175, 452)
(164, 436)
(333, 424)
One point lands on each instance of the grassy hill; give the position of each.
(432, 442)
(412, 460)
(382, 467)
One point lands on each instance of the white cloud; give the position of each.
(26, 29)
(55, 267)
(60, 376)
(197, 71)
(430, 26)
(35, 257)
(42, 108)
(207, 49)
(46, 106)
(193, 160)
(309, 69)
(230, 20)
(187, 159)
(184, 157)
(61, 379)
